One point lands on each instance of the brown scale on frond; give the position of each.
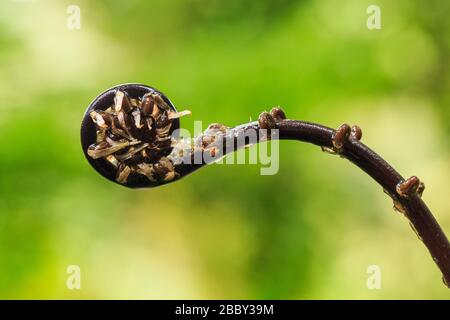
(410, 186)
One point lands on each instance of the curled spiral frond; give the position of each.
(133, 135)
(129, 135)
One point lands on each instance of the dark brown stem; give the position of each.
(345, 142)
(420, 217)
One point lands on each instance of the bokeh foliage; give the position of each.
(225, 232)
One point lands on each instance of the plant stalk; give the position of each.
(420, 217)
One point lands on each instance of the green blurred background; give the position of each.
(226, 231)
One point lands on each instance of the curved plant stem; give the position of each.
(411, 204)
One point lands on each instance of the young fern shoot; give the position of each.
(129, 134)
